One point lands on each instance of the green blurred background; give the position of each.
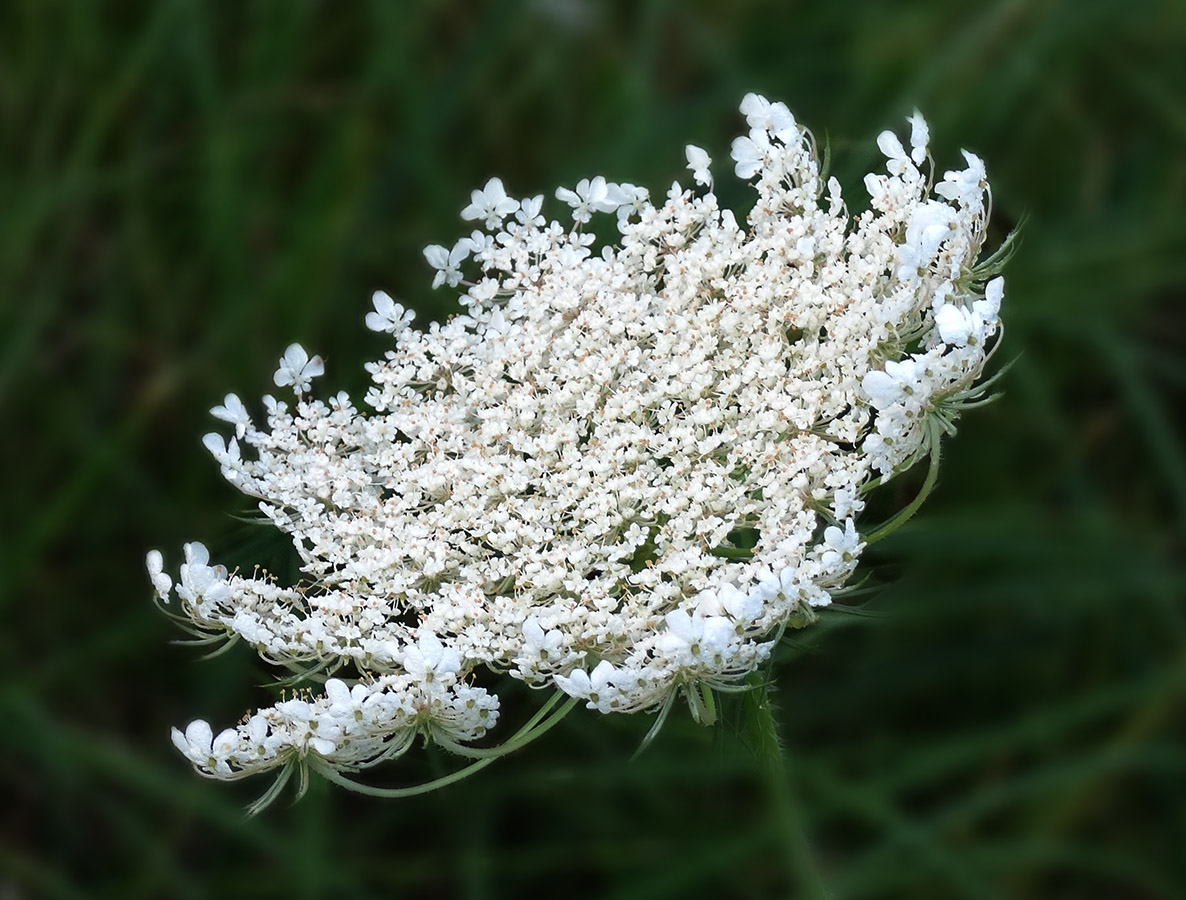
(186, 187)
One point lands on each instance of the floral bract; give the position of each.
(620, 472)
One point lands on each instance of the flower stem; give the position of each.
(534, 728)
(525, 735)
(906, 514)
(781, 789)
(332, 775)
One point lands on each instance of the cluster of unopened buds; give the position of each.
(618, 475)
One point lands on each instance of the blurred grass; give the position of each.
(187, 187)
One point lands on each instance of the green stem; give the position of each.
(272, 792)
(524, 735)
(332, 775)
(905, 515)
(781, 788)
(534, 728)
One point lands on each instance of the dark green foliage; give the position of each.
(186, 187)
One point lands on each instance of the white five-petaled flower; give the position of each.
(490, 204)
(206, 750)
(920, 135)
(345, 702)
(529, 212)
(891, 145)
(994, 292)
(161, 582)
(388, 316)
(743, 607)
(592, 195)
(750, 153)
(429, 660)
(298, 369)
(232, 410)
(900, 382)
(691, 638)
(632, 200)
(447, 262)
(596, 686)
(774, 118)
(959, 326)
(539, 644)
(964, 186)
(312, 727)
(226, 452)
(699, 162)
(841, 546)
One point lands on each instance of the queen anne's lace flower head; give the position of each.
(619, 472)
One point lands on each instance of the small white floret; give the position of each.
(920, 135)
(298, 369)
(388, 316)
(955, 324)
(491, 204)
(232, 410)
(447, 262)
(750, 154)
(590, 196)
(699, 162)
(161, 582)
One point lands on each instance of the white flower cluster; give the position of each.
(619, 473)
